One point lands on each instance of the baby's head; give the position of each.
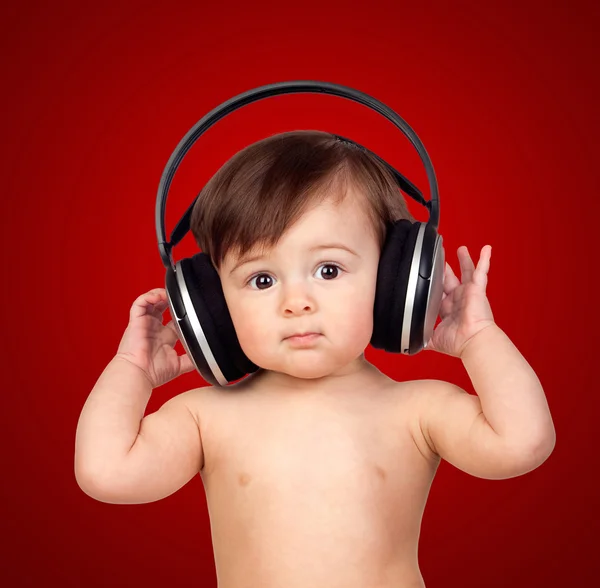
(282, 199)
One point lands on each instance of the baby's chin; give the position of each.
(307, 367)
(308, 373)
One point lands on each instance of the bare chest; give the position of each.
(335, 491)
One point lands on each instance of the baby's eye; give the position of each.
(264, 281)
(336, 269)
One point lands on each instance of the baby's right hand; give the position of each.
(149, 344)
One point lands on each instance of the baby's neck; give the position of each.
(360, 371)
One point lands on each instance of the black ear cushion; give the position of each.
(206, 292)
(396, 317)
(392, 281)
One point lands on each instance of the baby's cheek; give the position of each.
(252, 331)
(361, 329)
(358, 312)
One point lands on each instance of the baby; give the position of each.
(317, 466)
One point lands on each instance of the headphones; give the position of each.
(409, 278)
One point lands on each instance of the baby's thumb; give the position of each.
(185, 364)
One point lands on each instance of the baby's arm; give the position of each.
(120, 455)
(504, 431)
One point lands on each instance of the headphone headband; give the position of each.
(266, 91)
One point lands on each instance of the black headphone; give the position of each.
(409, 278)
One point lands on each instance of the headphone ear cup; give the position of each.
(206, 327)
(392, 285)
(207, 294)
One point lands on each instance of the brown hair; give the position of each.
(267, 186)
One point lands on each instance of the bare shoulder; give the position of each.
(179, 408)
(427, 391)
(419, 398)
(196, 400)
(418, 393)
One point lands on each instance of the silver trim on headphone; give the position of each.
(436, 290)
(410, 291)
(196, 327)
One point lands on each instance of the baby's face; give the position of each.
(301, 287)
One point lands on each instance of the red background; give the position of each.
(504, 96)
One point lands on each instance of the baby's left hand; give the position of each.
(465, 309)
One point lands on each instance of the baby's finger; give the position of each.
(484, 258)
(467, 266)
(157, 297)
(450, 280)
(159, 308)
(171, 329)
(185, 364)
(483, 266)
(153, 302)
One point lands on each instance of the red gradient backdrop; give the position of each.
(96, 97)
